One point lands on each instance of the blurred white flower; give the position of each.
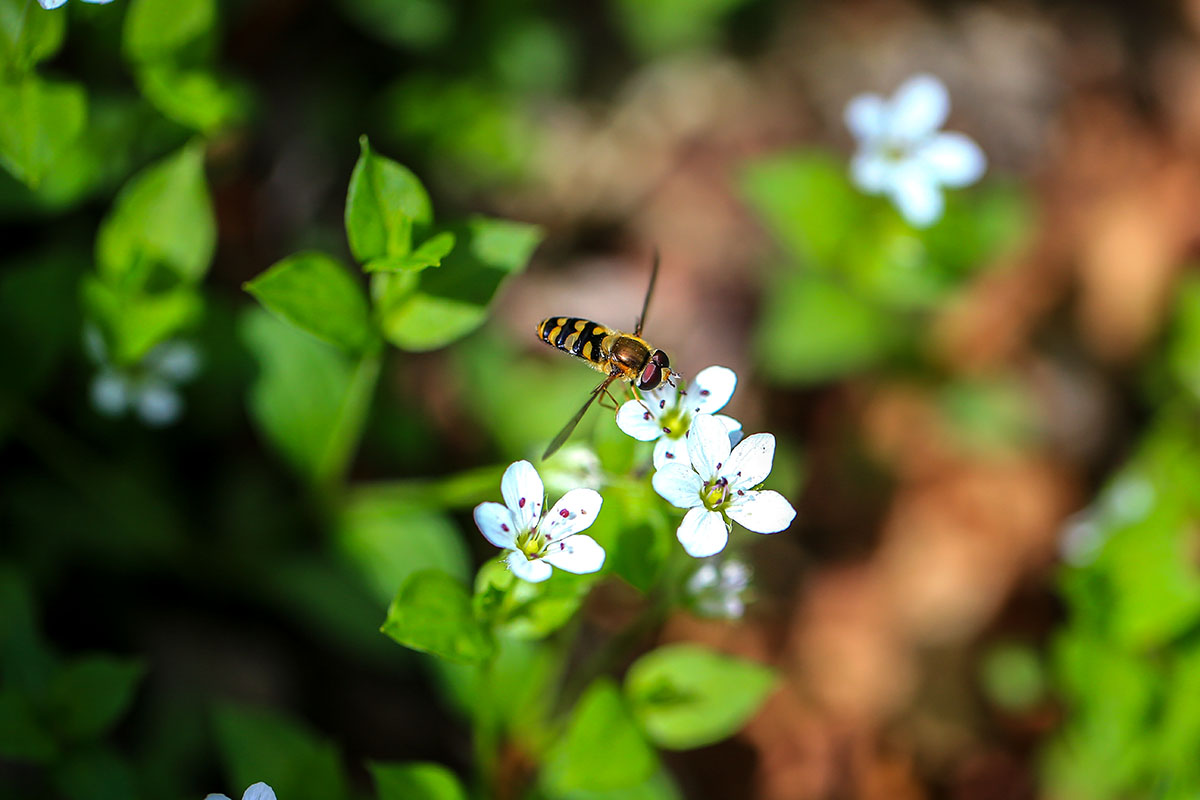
(666, 413)
(535, 543)
(718, 488)
(147, 388)
(901, 152)
(575, 465)
(258, 791)
(718, 590)
(48, 4)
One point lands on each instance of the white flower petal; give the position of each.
(679, 485)
(103, 3)
(639, 420)
(207, 796)
(523, 493)
(953, 158)
(575, 511)
(732, 427)
(496, 523)
(761, 512)
(750, 462)
(534, 571)
(258, 791)
(708, 446)
(176, 361)
(866, 116)
(703, 533)
(579, 554)
(711, 390)
(110, 393)
(918, 108)
(671, 451)
(49, 4)
(871, 171)
(157, 403)
(916, 194)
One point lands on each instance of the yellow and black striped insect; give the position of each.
(624, 356)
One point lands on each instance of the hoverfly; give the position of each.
(618, 355)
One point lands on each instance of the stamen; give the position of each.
(666, 429)
(503, 527)
(705, 392)
(662, 403)
(521, 503)
(564, 513)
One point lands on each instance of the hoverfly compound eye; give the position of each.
(651, 377)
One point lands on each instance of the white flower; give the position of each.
(48, 4)
(717, 589)
(148, 387)
(902, 154)
(666, 413)
(259, 791)
(718, 487)
(536, 543)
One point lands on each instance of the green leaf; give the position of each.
(89, 694)
(163, 216)
(259, 745)
(154, 29)
(429, 254)
(25, 661)
(316, 294)
(527, 610)
(136, 323)
(385, 206)
(98, 774)
(450, 302)
(310, 400)
(808, 204)
(410, 23)
(39, 121)
(602, 748)
(28, 34)
(432, 613)
(194, 98)
(812, 330)
(390, 539)
(416, 781)
(23, 736)
(687, 696)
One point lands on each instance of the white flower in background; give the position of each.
(148, 388)
(535, 543)
(901, 152)
(48, 4)
(718, 487)
(575, 465)
(259, 791)
(666, 413)
(718, 590)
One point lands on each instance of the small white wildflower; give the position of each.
(902, 154)
(718, 487)
(147, 388)
(535, 543)
(717, 590)
(258, 791)
(666, 413)
(49, 4)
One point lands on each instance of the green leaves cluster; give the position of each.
(854, 274)
(1126, 663)
(152, 251)
(428, 288)
(59, 712)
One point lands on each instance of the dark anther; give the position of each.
(564, 513)
(521, 503)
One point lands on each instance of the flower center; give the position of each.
(531, 543)
(674, 423)
(714, 493)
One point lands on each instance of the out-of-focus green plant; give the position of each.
(854, 276)
(1126, 661)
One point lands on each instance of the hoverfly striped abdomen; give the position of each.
(579, 337)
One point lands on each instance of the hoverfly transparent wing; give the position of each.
(569, 428)
(649, 293)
